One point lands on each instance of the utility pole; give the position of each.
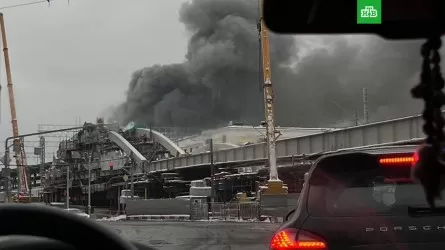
(7, 176)
(67, 197)
(89, 181)
(355, 117)
(275, 185)
(365, 105)
(118, 200)
(212, 171)
(68, 186)
(42, 159)
(133, 165)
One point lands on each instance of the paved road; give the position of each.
(197, 235)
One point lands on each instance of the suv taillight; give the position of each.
(289, 238)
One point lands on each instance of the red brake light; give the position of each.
(400, 160)
(416, 157)
(296, 239)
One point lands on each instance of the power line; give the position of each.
(26, 4)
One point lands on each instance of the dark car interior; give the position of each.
(27, 226)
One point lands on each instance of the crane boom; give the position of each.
(19, 150)
(268, 101)
(275, 185)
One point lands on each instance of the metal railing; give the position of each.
(225, 211)
(235, 210)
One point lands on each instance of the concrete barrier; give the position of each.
(158, 207)
(159, 217)
(278, 205)
(270, 205)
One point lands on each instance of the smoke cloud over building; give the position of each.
(220, 80)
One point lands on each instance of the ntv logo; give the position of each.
(369, 12)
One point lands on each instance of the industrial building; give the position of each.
(154, 166)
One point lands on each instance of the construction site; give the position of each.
(98, 163)
(117, 159)
(95, 164)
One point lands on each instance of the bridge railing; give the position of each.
(402, 129)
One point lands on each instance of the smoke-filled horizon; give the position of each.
(220, 79)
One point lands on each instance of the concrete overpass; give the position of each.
(402, 129)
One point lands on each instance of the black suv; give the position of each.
(363, 199)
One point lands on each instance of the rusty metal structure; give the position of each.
(98, 157)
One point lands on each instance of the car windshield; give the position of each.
(342, 187)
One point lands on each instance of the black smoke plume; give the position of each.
(315, 85)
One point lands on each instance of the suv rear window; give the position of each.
(358, 184)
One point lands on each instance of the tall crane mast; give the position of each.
(19, 149)
(274, 185)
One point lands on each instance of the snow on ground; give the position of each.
(160, 215)
(233, 220)
(156, 217)
(114, 218)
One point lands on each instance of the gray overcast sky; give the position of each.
(76, 59)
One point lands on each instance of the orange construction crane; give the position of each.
(19, 149)
(275, 185)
